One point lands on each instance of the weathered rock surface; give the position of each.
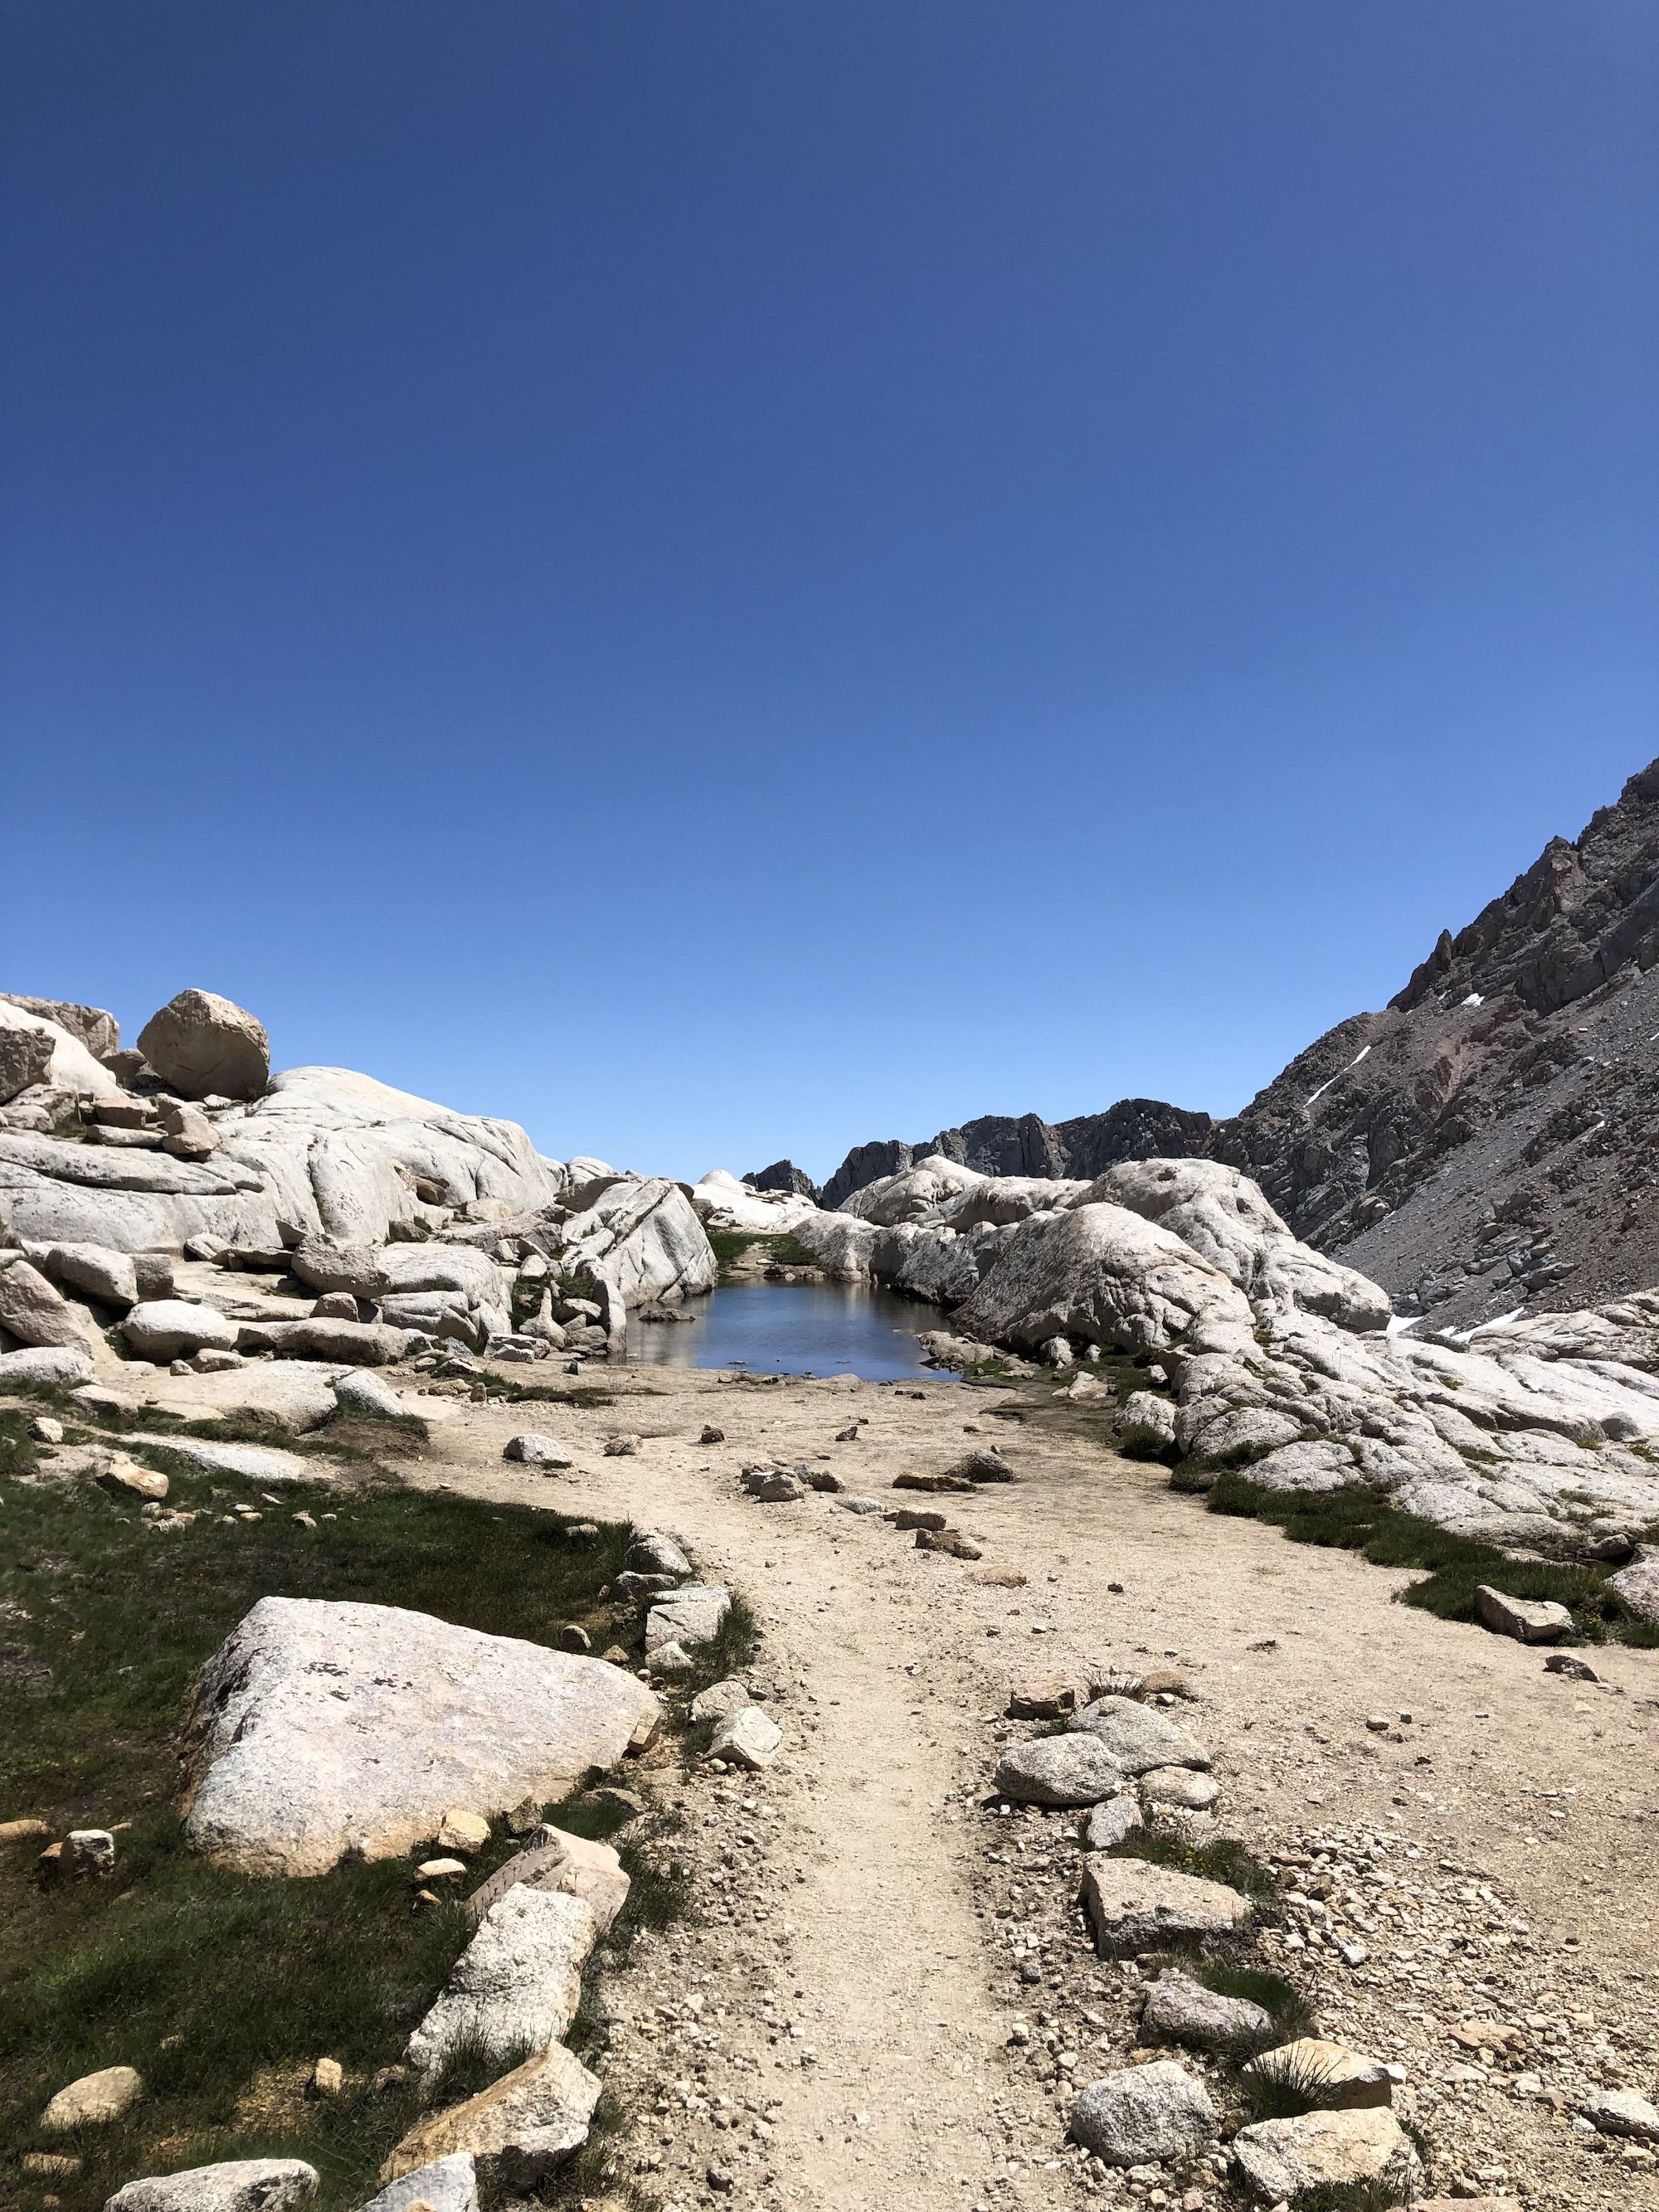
(1531, 1620)
(93, 1271)
(1281, 2161)
(38, 1052)
(64, 1364)
(570, 1866)
(517, 1986)
(322, 1727)
(293, 1394)
(1057, 1769)
(38, 1315)
(653, 1554)
(1146, 1424)
(643, 1235)
(329, 1267)
(693, 1614)
(324, 1150)
(723, 1202)
(720, 1700)
(1179, 2010)
(167, 1328)
(1134, 1905)
(94, 2100)
(448, 2185)
(1188, 1792)
(240, 2184)
(362, 1392)
(1139, 1737)
(746, 1738)
(255, 1463)
(1145, 2114)
(520, 2129)
(1622, 2112)
(99, 1032)
(202, 1045)
(1111, 1822)
(535, 1449)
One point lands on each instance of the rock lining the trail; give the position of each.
(520, 2129)
(319, 1729)
(1281, 2161)
(1134, 1905)
(1144, 2115)
(1059, 1769)
(516, 1987)
(242, 2184)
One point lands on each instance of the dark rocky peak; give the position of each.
(1026, 1144)
(998, 1145)
(1133, 1129)
(783, 1175)
(1581, 912)
(866, 1164)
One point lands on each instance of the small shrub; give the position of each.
(1286, 2091)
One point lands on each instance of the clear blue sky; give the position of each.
(728, 578)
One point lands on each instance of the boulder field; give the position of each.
(1537, 1433)
(385, 1224)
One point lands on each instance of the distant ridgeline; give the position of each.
(1490, 1139)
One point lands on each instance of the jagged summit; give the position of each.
(1488, 1140)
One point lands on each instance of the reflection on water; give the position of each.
(793, 1329)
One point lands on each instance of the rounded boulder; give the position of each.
(1059, 1769)
(204, 1046)
(171, 1329)
(1145, 2114)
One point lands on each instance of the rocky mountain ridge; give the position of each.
(1487, 1141)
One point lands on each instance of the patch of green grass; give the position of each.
(224, 1988)
(513, 1393)
(1356, 1519)
(784, 1250)
(732, 1652)
(1216, 1859)
(1286, 2090)
(1231, 1970)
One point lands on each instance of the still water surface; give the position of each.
(793, 1329)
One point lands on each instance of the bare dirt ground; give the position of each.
(833, 2028)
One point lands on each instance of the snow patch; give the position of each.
(1498, 1321)
(1399, 1323)
(1475, 999)
(1337, 1077)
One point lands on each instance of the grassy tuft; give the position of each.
(1286, 2091)
(732, 1652)
(1233, 1971)
(1358, 1520)
(1354, 2196)
(583, 1395)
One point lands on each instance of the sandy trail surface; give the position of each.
(833, 2030)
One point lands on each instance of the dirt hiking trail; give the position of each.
(833, 2031)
